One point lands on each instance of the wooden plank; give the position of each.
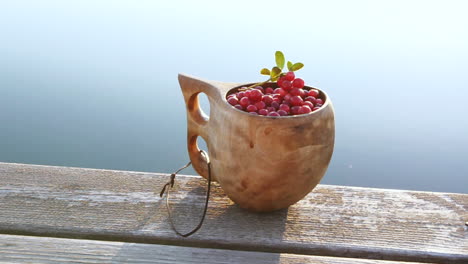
(27, 249)
(331, 221)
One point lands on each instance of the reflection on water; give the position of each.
(95, 84)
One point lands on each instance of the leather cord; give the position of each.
(167, 189)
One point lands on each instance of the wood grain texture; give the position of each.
(46, 250)
(251, 154)
(331, 221)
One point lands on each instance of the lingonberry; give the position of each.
(298, 83)
(255, 95)
(282, 113)
(275, 104)
(260, 88)
(289, 76)
(284, 107)
(280, 92)
(233, 100)
(260, 105)
(267, 99)
(277, 98)
(244, 101)
(313, 92)
(319, 101)
(305, 109)
(280, 81)
(296, 91)
(251, 108)
(296, 100)
(286, 85)
(308, 103)
(311, 99)
(295, 110)
(269, 90)
(273, 113)
(263, 112)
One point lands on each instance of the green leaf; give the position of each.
(279, 57)
(265, 71)
(290, 64)
(275, 78)
(275, 71)
(297, 66)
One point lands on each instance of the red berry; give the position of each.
(269, 90)
(271, 109)
(260, 105)
(275, 104)
(286, 85)
(290, 76)
(267, 99)
(260, 88)
(305, 109)
(319, 101)
(263, 112)
(315, 108)
(273, 113)
(255, 95)
(233, 100)
(296, 100)
(238, 106)
(314, 93)
(253, 113)
(251, 108)
(244, 101)
(298, 83)
(240, 94)
(295, 110)
(280, 91)
(280, 80)
(277, 98)
(311, 99)
(282, 113)
(311, 105)
(284, 107)
(296, 91)
(287, 97)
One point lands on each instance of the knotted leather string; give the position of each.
(169, 185)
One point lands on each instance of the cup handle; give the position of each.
(198, 123)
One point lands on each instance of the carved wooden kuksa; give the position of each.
(262, 163)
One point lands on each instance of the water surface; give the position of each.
(94, 83)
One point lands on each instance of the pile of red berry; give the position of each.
(288, 99)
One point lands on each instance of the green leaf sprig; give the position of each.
(277, 71)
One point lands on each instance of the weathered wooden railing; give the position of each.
(60, 215)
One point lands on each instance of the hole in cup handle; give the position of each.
(195, 111)
(199, 160)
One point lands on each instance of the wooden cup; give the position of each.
(262, 163)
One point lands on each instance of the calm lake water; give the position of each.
(94, 83)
